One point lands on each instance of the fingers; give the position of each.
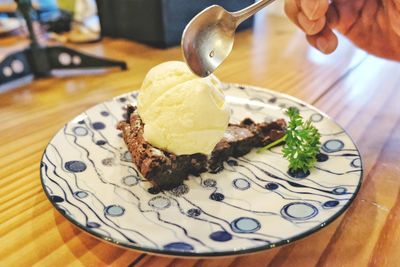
(308, 14)
(314, 9)
(311, 27)
(315, 17)
(325, 41)
(292, 10)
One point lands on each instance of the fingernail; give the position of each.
(322, 44)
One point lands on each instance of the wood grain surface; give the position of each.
(361, 92)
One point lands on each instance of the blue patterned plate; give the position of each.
(254, 204)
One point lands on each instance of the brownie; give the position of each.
(240, 139)
(166, 170)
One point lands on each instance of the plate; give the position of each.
(254, 204)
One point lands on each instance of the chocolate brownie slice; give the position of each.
(239, 139)
(167, 170)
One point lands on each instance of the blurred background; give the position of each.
(154, 22)
(56, 18)
(46, 23)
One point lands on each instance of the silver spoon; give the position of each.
(208, 38)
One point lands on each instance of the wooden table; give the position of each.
(360, 91)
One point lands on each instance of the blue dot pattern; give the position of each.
(193, 212)
(93, 225)
(245, 225)
(80, 131)
(232, 162)
(160, 202)
(299, 211)
(98, 125)
(75, 166)
(81, 194)
(316, 117)
(271, 186)
(101, 142)
(217, 196)
(339, 190)
(179, 246)
(57, 199)
(300, 174)
(221, 236)
(333, 145)
(153, 190)
(356, 163)
(127, 156)
(130, 180)
(241, 184)
(321, 157)
(331, 203)
(209, 183)
(114, 210)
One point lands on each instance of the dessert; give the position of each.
(167, 170)
(180, 127)
(182, 113)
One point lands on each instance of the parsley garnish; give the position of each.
(301, 142)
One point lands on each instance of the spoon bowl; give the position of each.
(208, 38)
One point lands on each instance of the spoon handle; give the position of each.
(249, 11)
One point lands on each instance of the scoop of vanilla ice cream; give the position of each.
(160, 79)
(188, 115)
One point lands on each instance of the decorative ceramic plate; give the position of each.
(254, 204)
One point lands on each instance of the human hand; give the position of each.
(312, 17)
(373, 25)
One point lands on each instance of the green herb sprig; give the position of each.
(302, 142)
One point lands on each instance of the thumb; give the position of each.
(325, 41)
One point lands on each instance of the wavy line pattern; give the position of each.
(253, 204)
